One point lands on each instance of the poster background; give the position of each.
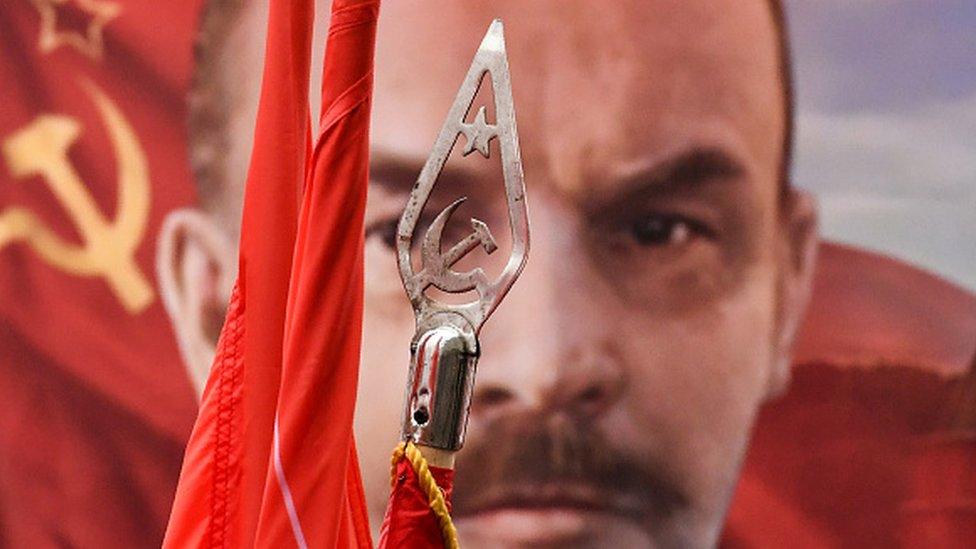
(887, 110)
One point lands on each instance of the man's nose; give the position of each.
(549, 346)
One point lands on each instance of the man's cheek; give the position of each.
(387, 330)
(381, 377)
(695, 382)
(384, 292)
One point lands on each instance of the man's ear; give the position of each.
(195, 266)
(797, 262)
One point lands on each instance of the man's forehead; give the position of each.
(596, 83)
(593, 30)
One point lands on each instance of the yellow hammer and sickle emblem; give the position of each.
(109, 245)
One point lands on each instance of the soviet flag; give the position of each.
(96, 402)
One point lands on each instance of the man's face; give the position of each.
(620, 377)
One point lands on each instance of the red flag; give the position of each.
(314, 474)
(882, 358)
(409, 521)
(222, 480)
(93, 158)
(271, 469)
(272, 459)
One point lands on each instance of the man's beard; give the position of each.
(548, 461)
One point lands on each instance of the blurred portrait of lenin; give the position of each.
(672, 259)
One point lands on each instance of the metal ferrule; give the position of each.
(442, 370)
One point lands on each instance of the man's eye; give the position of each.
(665, 230)
(386, 230)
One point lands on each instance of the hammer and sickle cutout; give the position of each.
(490, 64)
(108, 245)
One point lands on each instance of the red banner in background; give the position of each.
(97, 404)
(873, 444)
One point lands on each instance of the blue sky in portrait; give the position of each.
(887, 126)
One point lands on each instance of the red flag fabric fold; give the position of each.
(313, 466)
(224, 469)
(272, 460)
(409, 521)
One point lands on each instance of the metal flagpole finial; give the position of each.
(445, 347)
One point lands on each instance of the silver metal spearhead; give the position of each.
(445, 347)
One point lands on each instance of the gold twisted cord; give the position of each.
(435, 497)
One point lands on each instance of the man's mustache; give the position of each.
(550, 460)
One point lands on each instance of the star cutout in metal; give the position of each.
(478, 134)
(89, 43)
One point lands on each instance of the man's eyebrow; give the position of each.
(680, 172)
(397, 174)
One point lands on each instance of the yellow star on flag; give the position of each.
(89, 43)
